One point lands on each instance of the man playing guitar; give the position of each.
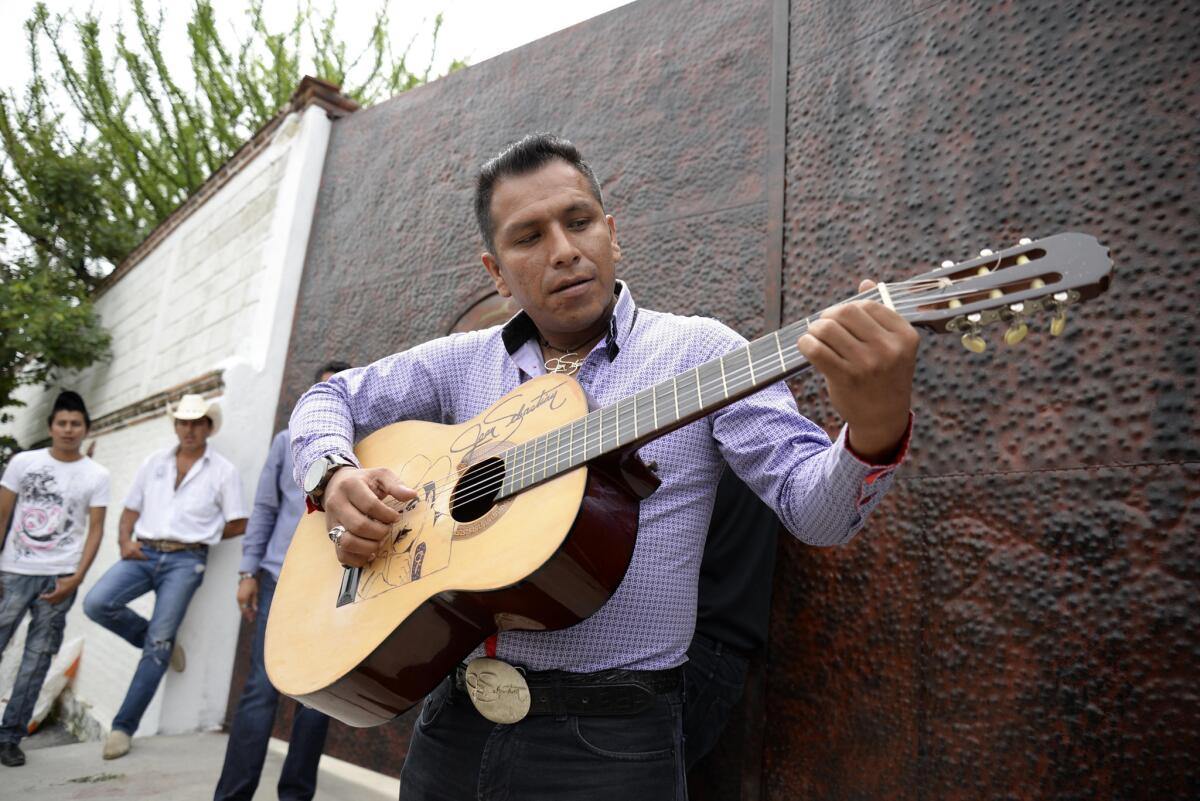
(604, 722)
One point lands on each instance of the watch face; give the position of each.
(316, 472)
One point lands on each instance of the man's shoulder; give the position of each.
(219, 460)
(95, 468)
(17, 466)
(705, 333)
(463, 343)
(23, 459)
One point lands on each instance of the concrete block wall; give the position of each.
(215, 295)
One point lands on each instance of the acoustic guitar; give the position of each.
(527, 514)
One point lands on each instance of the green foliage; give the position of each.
(43, 327)
(80, 187)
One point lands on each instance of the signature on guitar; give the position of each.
(503, 421)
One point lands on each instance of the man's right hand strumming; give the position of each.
(353, 499)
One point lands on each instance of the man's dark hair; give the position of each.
(68, 401)
(335, 366)
(521, 157)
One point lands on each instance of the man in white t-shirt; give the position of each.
(60, 497)
(183, 499)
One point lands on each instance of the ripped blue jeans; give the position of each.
(19, 593)
(174, 578)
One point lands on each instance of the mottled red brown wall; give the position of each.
(1019, 619)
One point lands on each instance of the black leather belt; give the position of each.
(608, 692)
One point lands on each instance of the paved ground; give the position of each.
(182, 768)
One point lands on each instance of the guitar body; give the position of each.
(543, 559)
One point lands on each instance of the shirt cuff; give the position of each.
(249, 565)
(877, 470)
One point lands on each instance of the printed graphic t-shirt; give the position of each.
(50, 521)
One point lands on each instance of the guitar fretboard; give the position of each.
(656, 410)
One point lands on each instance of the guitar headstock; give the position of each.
(1010, 286)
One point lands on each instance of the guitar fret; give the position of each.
(654, 402)
(750, 361)
(571, 448)
(779, 347)
(525, 464)
(724, 385)
(635, 422)
(699, 391)
(675, 391)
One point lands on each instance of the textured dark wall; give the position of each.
(1019, 620)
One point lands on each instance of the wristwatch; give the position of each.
(245, 574)
(319, 473)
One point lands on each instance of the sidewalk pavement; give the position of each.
(178, 768)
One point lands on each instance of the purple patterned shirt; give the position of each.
(821, 491)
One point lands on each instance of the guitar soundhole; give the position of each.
(476, 491)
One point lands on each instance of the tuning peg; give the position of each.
(974, 343)
(1019, 328)
(986, 252)
(948, 263)
(971, 340)
(1058, 323)
(1024, 241)
(1016, 333)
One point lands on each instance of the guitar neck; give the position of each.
(657, 410)
(1008, 287)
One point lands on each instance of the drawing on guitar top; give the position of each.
(423, 538)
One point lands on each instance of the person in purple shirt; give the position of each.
(278, 506)
(608, 690)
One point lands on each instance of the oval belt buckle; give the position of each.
(498, 690)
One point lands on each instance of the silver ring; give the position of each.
(335, 535)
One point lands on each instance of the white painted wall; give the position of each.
(217, 293)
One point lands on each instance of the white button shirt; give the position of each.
(209, 496)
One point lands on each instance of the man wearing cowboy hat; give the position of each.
(183, 499)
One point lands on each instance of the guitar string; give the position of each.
(528, 466)
(482, 483)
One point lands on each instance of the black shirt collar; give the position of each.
(520, 329)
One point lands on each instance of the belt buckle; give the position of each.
(497, 690)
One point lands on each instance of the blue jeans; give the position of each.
(455, 754)
(174, 578)
(45, 635)
(714, 677)
(252, 724)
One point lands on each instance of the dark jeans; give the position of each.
(42, 642)
(457, 755)
(174, 577)
(253, 721)
(714, 678)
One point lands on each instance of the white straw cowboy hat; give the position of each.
(193, 407)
